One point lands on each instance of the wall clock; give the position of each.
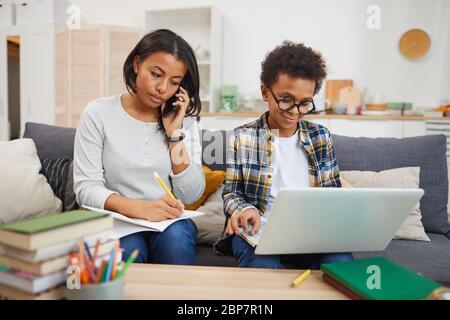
(414, 44)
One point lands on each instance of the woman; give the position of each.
(122, 140)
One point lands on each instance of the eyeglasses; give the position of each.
(287, 103)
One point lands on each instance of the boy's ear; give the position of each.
(265, 93)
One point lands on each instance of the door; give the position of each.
(37, 75)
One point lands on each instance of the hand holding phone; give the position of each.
(169, 108)
(174, 122)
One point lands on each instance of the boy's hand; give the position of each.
(242, 219)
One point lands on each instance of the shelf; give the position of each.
(201, 27)
(323, 116)
(177, 10)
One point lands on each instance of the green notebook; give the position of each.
(53, 221)
(395, 282)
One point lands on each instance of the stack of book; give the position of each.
(34, 254)
(377, 279)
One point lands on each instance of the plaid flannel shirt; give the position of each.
(250, 168)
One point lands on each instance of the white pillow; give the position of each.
(211, 224)
(408, 177)
(24, 193)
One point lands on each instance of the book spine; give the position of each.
(340, 287)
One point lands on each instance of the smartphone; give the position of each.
(169, 108)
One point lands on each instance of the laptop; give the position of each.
(332, 220)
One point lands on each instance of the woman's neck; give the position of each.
(135, 107)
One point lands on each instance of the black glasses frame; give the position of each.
(298, 105)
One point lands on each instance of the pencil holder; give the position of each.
(111, 290)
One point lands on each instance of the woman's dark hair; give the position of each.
(164, 40)
(295, 60)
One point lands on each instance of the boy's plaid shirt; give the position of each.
(250, 167)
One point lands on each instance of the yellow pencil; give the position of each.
(300, 278)
(163, 185)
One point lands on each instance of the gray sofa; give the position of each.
(431, 259)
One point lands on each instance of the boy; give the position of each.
(280, 149)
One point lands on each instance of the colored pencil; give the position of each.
(114, 270)
(100, 272)
(129, 261)
(97, 244)
(87, 250)
(110, 265)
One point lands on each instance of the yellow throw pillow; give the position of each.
(214, 179)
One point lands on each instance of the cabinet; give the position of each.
(414, 128)
(89, 65)
(32, 12)
(366, 128)
(224, 122)
(201, 27)
(346, 127)
(7, 17)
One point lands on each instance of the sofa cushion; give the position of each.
(214, 179)
(24, 192)
(211, 224)
(426, 152)
(51, 142)
(407, 177)
(59, 174)
(431, 259)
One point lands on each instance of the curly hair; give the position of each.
(296, 60)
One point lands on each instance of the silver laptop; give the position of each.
(328, 220)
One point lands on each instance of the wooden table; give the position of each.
(152, 281)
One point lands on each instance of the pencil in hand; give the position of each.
(163, 185)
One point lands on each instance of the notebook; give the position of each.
(127, 225)
(51, 265)
(340, 287)
(395, 282)
(55, 250)
(11, 293)
(40, 232)
(31, 283)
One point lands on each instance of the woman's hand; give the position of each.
(173, 122)
(242, 219)
(157, 210)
